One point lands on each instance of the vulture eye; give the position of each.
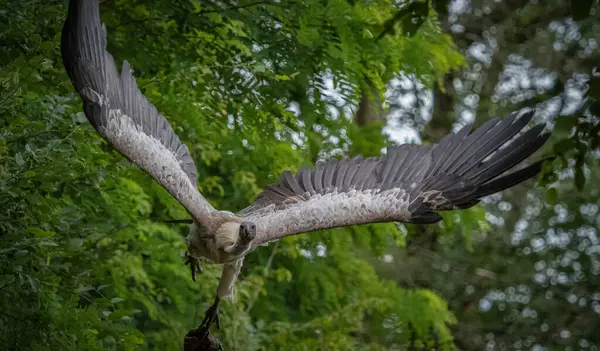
(247, 230)
(247, 226)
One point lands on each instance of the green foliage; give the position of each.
(85, 262)
(578, 136)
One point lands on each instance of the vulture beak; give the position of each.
(247, 231)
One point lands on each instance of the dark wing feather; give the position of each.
(408, 184)
(121, 114)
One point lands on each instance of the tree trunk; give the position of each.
(370, 107)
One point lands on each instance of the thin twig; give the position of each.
(11, 316)
(240, 7)
(8, 284)
(232, 8)
(60, 142)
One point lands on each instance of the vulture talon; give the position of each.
(194, 265)
(210, 316)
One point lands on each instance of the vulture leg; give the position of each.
(194, 265)
(211, 315)
(225, 289)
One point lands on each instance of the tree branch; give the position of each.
(232, 8)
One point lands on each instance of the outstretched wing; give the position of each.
(122, 115)
(408, 184)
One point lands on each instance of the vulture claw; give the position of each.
(194, 265)
(210, 316)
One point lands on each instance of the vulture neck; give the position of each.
(219, 246)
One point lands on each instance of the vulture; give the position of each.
(409, 183)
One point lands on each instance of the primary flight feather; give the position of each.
(410, 183)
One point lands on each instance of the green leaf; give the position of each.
(19, 159)
(41, 233)
(83, 289)
(21, 253)
(116, 315)
(34, 282)
(78, 118)
(260, 68)
(48, 243)
(35, 40)
(77, 242)
(564, 124)
(564, 146)
(30, 174)
(552, 196)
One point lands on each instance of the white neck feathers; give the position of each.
(227, 234)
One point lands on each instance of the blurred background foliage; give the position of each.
(256, 87)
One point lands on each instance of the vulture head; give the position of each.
(247, 231)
